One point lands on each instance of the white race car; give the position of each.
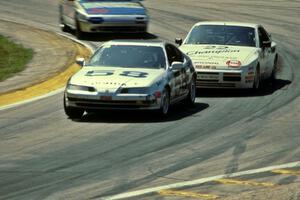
(131, 75)
(103, 16)
(230, 54)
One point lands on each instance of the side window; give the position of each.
(263, 36)
(173, 54)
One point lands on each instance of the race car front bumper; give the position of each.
(225, 79)
(108, 24)
(112, 101)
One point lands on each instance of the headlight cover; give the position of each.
(81, 88)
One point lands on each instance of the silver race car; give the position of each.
(230, 55)
(131, 75)
(103, 16)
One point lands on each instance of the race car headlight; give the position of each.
(82, 17)
(81, 88)
(134, 91)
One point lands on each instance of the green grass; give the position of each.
(13, 58)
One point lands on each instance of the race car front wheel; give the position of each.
(72, 113)
(256, 82)
(165, 102)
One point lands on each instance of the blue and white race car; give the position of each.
(230, 54)
(127, 16)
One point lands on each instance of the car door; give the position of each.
(177, 76)
(184, 72)
(266, 64)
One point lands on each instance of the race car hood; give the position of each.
(217, 56)
(111, 8)
(112, 78)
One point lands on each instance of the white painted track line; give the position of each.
(199, 181)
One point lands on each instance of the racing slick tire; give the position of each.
(191, 97)
(256, 82)
(64, 27)
(272, 77)
(165, 102)
(72, 113)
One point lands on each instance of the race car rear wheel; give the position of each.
(191, 97)
(72, 113)
(165, 102)
(272, 77)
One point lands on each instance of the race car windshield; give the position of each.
(222, 35)
(87, 1)
(129, 56)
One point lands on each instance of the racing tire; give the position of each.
(272, 77)
(165, 103)
(256, 82)
(72, 113)
(191, 97)
(145, 30)
(64, 27)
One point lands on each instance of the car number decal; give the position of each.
(100, 73)
(134, 74)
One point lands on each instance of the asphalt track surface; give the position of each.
(45, 155)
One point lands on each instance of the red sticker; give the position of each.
(234, 63)
(98, 11)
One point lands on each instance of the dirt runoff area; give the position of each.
(52, 55)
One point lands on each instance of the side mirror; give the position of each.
(176, 66)
(178, 41)
(266, 44)
(80, 61)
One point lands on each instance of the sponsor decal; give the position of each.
(110, 5)
(205, 67)
(215, 47)
(207, 76)
(234, 63)
(113, 9)
(191, 53)
(97, 11)
(134, 74)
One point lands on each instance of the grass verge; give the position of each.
(13, 58)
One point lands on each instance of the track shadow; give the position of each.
(177, 112)
(267, 88)
(102, 37)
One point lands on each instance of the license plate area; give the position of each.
(207, 76)
(106, 98)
